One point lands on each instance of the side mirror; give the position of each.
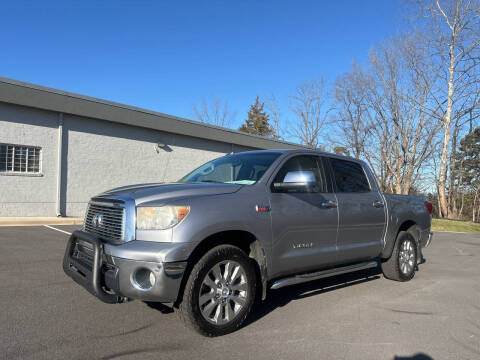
(296, 181)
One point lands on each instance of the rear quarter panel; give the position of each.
(402, 209)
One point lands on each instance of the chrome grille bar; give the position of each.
(106, 220)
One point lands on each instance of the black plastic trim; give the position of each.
(106, 199)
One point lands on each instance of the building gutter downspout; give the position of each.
(59, 164)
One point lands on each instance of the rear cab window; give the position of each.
(349, 176)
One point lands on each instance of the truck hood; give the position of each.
(142, 193)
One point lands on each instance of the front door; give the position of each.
(304, 222)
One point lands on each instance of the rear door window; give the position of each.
(349, 176)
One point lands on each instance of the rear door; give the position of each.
(304, 223)
(361, 211)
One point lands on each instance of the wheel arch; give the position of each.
(409, 226)
(242, 239)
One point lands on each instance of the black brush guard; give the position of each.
(89, 277)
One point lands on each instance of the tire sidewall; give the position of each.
(402, 239)
(212, 258)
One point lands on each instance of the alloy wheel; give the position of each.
(223, 292)
(407, 257)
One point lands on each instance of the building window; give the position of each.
(19, 159)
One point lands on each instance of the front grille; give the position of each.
(106, 220)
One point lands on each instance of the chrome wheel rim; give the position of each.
(223, 293)
(407, 257)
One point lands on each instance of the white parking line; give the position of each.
(54, 228)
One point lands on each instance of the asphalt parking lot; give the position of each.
(45, 315)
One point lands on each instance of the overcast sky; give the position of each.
(167, 55)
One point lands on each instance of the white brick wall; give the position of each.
(29, 195)
(98, 155)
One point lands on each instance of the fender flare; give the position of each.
(409, 226)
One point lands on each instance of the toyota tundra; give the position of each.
(239, 225)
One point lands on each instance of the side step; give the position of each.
(297, 279)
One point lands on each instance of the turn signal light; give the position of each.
(182, 212)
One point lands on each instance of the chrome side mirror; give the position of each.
(296, 181)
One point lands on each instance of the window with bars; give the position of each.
(19, 159)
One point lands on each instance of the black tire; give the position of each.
(394, 268)
(190, 310)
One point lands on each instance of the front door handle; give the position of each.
(328, 204)
(378, 204)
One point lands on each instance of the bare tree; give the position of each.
(311, 105)
(382, 114)
(352, 115)
(215, 112)
(353, 121)
(451, 31)
(401, 109)
(273, 107)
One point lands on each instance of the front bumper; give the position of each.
(112, 279)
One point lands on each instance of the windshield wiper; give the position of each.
(212, 181)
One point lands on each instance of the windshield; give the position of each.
(243, 168)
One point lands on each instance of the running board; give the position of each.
(297, 279)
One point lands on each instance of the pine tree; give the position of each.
(470, 158)
(469, 161)
(257, 121)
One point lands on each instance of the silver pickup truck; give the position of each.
(239, 225)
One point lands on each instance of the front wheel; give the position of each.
(403, 262)
(220, 292)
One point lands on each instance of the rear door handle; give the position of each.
(328, 204)
(378, 204)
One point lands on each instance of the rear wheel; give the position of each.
(219, 292)
(402, 264)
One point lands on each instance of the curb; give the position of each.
(38, 221)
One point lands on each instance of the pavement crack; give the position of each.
(127, 332)
(412, 312)
(130, 352)
(461, 252)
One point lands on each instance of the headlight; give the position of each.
(160, 217)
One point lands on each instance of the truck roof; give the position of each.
(303, 151)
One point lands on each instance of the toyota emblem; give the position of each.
(97, 220)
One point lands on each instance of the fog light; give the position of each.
(143, 279)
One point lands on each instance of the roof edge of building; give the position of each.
(41, 97)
